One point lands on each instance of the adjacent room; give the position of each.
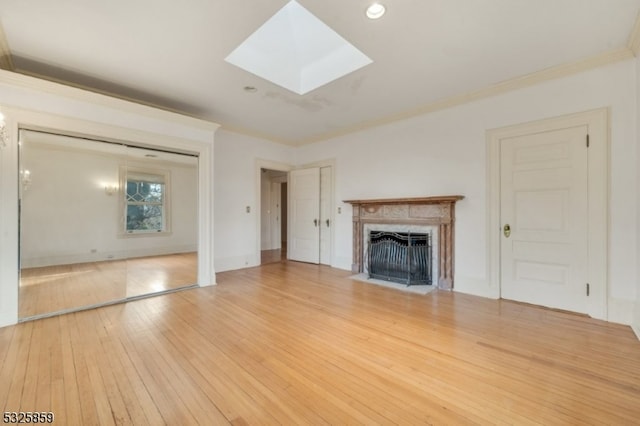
(320, 212)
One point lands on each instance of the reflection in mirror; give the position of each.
(159, 201)
(102, 222)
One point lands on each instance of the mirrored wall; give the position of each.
(102, 222)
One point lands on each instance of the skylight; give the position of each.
(297, 51)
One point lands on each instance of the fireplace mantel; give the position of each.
(435, 211)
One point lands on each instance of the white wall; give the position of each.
(67, 217)
(236, 187)
(444, 153)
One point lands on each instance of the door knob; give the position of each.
(327, 223)
(506, 230)
(315, 222)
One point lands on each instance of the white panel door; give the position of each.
(304, 219)
(325, 215)
(544, 203)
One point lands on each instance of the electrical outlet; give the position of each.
(248, 209)
(339, 210)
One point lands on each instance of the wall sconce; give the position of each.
(110, 189)
(25, 178)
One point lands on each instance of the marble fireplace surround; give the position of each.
(425, 212)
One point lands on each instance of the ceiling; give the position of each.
(426, 54)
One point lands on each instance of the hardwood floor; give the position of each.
(272, 256)
(291, 343)
(57, 288)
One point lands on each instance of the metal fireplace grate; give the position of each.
(400, 257)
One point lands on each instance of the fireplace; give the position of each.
(401, 257)
(430, 215)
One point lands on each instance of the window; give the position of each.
(145, 202)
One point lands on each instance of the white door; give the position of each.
(304, 219)
(325, 215)
(544, 202)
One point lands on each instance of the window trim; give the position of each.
(125, 170)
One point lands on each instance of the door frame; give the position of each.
(597, 122)
(285, 167)
(269, 165)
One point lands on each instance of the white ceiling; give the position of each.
(171, 54)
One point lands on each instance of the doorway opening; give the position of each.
(273, 215)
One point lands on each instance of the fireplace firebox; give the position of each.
(400, 257)
(420, 212)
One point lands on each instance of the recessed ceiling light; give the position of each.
(375, 11)
(250, 89)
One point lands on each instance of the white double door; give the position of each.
(309, 237)
(544, 215)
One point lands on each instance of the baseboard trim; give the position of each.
(636, 330)
(474, 287)
(620, 311)
(223, 264)
(75, 258)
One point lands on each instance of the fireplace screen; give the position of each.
(400, 257)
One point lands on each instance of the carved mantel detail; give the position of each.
(433, 211)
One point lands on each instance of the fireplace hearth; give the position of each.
(408, 215)
(400, 257)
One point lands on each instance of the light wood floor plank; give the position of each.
(9, 353)
(362, 349)
(253, 398)
(83, 343)
(304, 349)
(68, 402)
(165, 396)
(15, 371)
(292, 343)
(236, 370)
(61, 287)
(280, 388)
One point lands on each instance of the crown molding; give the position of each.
(634, 38)
(606, 58)
(64, 89)
(258, 135)
(6, 63)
